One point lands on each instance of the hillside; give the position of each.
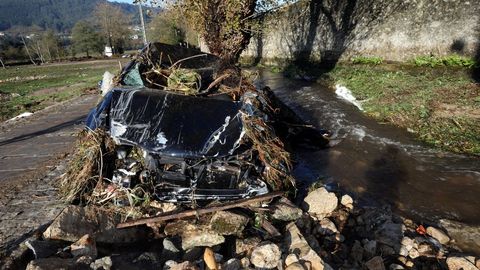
(59, 15)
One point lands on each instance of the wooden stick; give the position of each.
(270, 228)
(201, 211)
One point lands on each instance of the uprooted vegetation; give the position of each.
(200, 131)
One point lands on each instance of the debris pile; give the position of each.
(328, 231)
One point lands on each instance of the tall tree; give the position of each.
(225, 25)
(51, 45)
(85, 38)
(114, 25)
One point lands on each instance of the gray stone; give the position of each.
(75, 222)
(295, 266)
(85, 246)
(320, 203)
(55, 263)
(376, 263)
(104, 263)
(244, 247)
(266, 256)
(460, 263)
(370, 248)
(390, 234)
(285, 210)
(195, 235)
(395, 267)
(170, 250)
(42, 249)
(346, 200)
(183, 266)
(357, 252)
(232, 264)
(439, 235)
(228, 223)
(298, 245)
(325, 227)
(291, 258)
(466, 237)
(413, 253)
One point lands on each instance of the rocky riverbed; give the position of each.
(327, 231)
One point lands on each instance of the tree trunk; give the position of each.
(1, 62)
(28, 52)
(223, 39)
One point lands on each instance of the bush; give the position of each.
(367, 60)
(453, 60)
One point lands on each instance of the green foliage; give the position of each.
(60, 15)
(374, 60)
(166, 29)
(113, 24)
(453, 60)
(85, 39)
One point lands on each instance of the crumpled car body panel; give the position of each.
(171, 124)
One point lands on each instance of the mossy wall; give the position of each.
(398, 30)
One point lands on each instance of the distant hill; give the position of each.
(59, 15)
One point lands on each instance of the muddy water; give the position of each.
(380, 163)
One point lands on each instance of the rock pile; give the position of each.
(326, 232)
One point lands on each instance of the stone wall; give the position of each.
(397, 30)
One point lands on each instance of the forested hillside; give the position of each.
(59, 15)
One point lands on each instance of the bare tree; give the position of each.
(113, 24)
(26, 49)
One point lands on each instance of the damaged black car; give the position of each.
(175, 124)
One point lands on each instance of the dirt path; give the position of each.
(31, 150)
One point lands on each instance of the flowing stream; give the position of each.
(380, 163)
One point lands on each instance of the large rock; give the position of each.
(390, 234)
(75, 222)
(266, 256)
(320, 203)
(244, 247)
(85, 246)
(285, 210)
(55, 263)
(466, 237)
(298, 245)
(460, 263)
(438, 234)
(326, 227)
(228, 223)
(200, 236)
(376, 263)
(42, 249)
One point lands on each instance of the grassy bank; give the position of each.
(31, 88)
(441, 105)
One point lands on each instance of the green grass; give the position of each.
(367, 60)
(440, 105)
(453, 60)
(31, 88)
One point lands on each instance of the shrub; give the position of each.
(367, 60)
(453, 60)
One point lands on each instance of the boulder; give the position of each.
(200, 236)
(298, 245)
(228, 223)
(266, 256)
(244, 247)
(232, 264)
(460, 263)
(75, 222)
(467, 237)
(285, 210)
(325, 227)
(291, 258)
(346, 200)
(320, 203)
(438, 234)
(295, 266)
(85, 246)
(42, 249)
(55, 263)
(104, 263)
(376, 263)
(390, 234)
